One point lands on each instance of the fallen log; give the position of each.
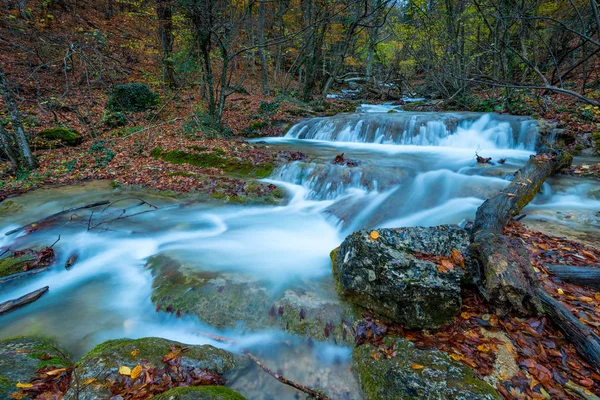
(581, 276)
(23, 300)
(511, 284)
(35, 225)
(19, 275)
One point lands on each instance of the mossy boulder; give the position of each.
(416, 374)
(103, 362)
(21, 357)
(14, 264)
(228, 300)
(64, 136)
(133, 97)
(215, 159)
(382, 273)
(200, 393)
(596, 140)
(115, 119)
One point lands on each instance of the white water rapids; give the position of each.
(413, 169)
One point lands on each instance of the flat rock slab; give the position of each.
(382, 273)
(234, 300)
(416, 374)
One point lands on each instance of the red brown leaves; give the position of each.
(340, 160)
(370, 330)
(444, 264)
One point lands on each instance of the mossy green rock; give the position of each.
(440, 378)
(384, 275)
(200, 393)
(68, 137)
(14, 264)
(20, 357)
(104, 360)
(228, 300)
(215, 159)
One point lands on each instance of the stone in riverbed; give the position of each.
(20, 357)
(103, 362)
(416, 374)
(235, 300)
(384, 275)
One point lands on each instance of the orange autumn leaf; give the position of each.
(417, 367)
(136, 372)
(457, 258)
(374, 235)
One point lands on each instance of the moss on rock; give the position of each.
(215, 159)
(226, 300)
(200, 393)
(440, 378)
(14, 264)
(104, 360)
(69, 137)
(20, 357)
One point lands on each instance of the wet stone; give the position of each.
(384, 275)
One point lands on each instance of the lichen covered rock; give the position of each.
(381, 272)
(416, 374)
(103, 362)
(21, 357)
(228, 300)
(200, 393)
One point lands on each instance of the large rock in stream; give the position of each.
(21, 357)
(236, 300)
(381, 272)
(102, 363)
(416, 374)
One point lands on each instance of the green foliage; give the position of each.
(268, 107)
(133, 97)
(69, 137)
(101, 153)
(115, 119)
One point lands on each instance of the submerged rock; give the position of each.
(416, 374)
(21, 357)
(103, 362)
(383, 274)
(228, 300)
(200, 393)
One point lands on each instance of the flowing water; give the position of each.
(407, 169)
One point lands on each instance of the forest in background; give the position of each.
(221, 68)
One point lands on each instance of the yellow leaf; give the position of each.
(465, 315)
(374, 235)
(543, 246)
(560, 291)
(586, 299)
(483, 348)
(89, 381)
(55, 371)
(417, 366)
(24, 385)
(123, 370)
(456, 357)
(135, 352)
(136, 372)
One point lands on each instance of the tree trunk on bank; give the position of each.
(25, 157)
(510, 283)
(261, 44)
(165, 33)
(7, 148)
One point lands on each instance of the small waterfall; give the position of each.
(466, 130)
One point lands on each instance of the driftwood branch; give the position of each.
(588, 276)
(32, 226)
(23, 300)
(511, 284)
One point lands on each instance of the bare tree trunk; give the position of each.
(7, 147)
(261, 50)
(25, 157)
(165, 32)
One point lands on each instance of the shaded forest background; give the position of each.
(222, 68)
